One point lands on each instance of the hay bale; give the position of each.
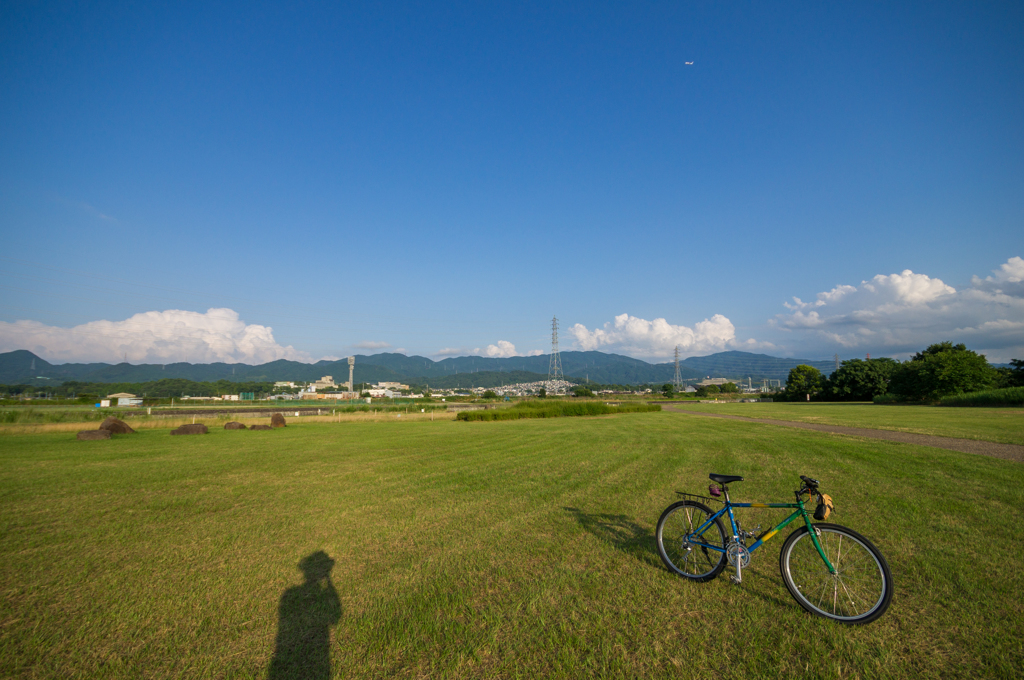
(91, 435)
(277, 420)
(116, 426)
(261, 427)
(191, 428)
(234, 426)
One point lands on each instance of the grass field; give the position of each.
(165, 421)
(505, 549)
(1004, 425)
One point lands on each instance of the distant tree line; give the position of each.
(938, 371)
(171, 387)
(712, 390)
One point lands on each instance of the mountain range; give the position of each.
(24, 367)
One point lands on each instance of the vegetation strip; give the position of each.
(982, 448)
(1007, 396)
(556, 409)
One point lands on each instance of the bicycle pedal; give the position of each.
(735, 581)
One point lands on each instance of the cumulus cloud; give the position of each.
(658, 338)
(1008, 279)
(905, 312)
(502, 350)
(152, 337)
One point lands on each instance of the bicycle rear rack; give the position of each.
(696, 496)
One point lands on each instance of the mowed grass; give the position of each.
(1004, 425)
(514, 549)
(165, 423)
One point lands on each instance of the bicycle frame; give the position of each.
(799, 511)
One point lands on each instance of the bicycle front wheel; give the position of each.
(682, 543)
(859, 591)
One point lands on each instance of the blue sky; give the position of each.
(444, 178)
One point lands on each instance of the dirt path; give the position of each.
(1006, 451)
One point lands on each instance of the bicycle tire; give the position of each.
(859, 592)
(682, 557)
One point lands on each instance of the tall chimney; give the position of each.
(351, 368)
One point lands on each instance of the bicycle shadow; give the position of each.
(621, 532)
(306, 614)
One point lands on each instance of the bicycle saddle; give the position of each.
(725, 479)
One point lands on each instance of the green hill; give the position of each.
(24, 367)
(755, 366)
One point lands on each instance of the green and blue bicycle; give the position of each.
(829, 570)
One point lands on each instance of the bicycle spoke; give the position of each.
(686, 551)
(857, 587)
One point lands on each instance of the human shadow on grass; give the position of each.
(621, 532)
(305, 616)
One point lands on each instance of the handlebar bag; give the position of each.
(825, 507)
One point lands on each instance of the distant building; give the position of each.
(125, 399)
(391, 386)
(322, 384)
(284, 383)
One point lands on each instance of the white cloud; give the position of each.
(658, 338)
(502, 350)
(152, 337)
(1008, 279)
(371, 344)
(903, 313)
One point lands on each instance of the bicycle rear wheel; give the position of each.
(861, 589)
(682, 549)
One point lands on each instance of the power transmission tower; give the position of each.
(678, 380)
(555, 366)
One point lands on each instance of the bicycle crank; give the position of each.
(739, 557)
(737, 552)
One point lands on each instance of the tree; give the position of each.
(1016, 377)
(861, 380)
(803, 380)
(581, 391)
(729, 388)
(942, 369)
(490, 394)
(707, 390)
(542, 393)
(667, 390)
